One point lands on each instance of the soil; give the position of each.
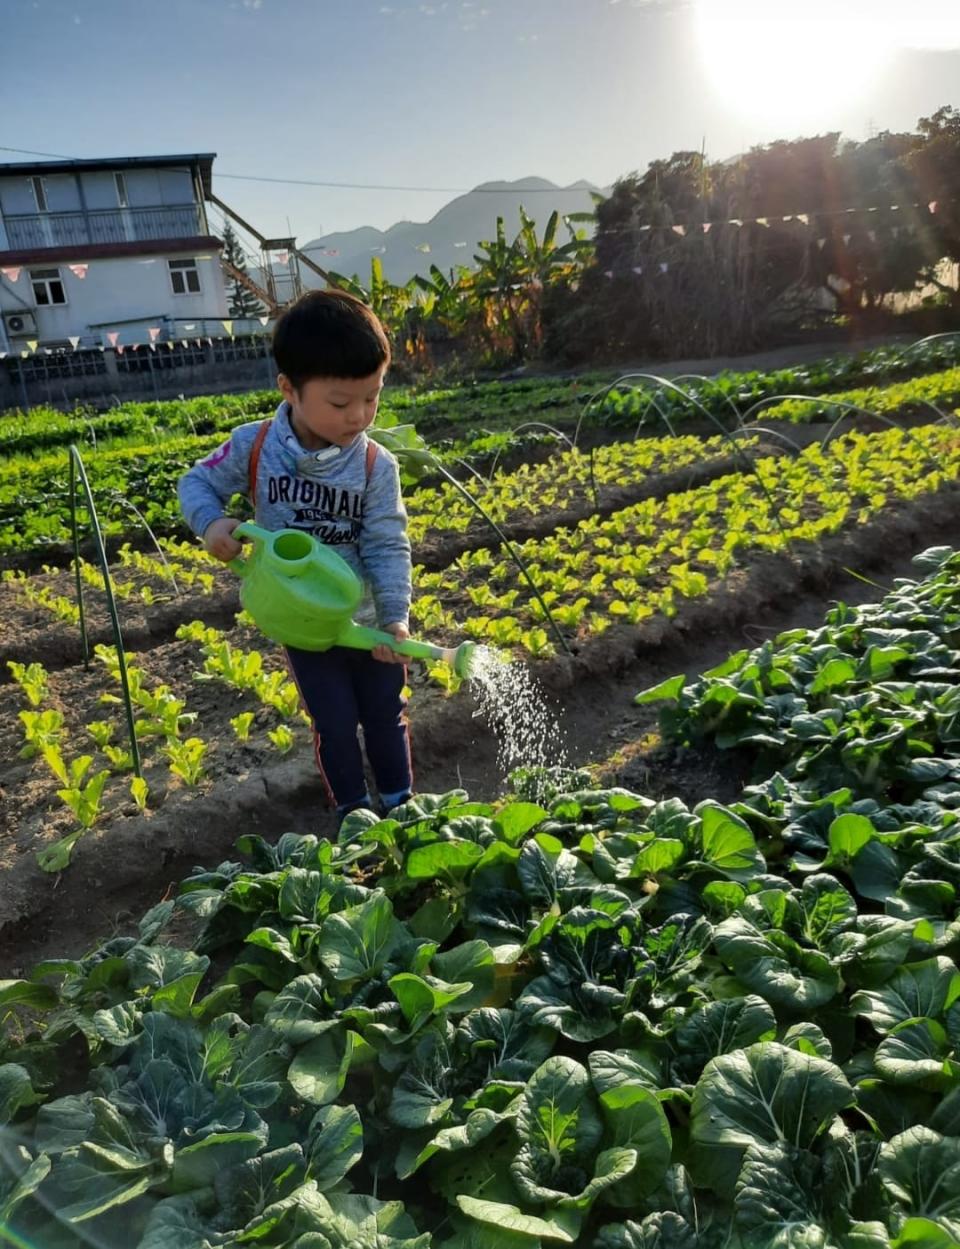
(135, 858)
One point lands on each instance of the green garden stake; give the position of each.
(302, 593)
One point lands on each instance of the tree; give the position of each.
(241, 301)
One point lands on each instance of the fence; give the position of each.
(103, 375)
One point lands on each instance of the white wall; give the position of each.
(117, 290)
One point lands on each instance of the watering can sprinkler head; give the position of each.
(460, 658)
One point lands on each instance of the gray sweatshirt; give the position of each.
(328, 496)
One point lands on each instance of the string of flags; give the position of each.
(803, 219)
(113, 339)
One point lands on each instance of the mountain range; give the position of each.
(449, 238)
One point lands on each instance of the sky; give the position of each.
(452, 93)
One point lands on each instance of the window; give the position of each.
(39, 194)
(47, 287)
(121, 190)
(184, 277)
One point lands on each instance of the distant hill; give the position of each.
(464, 221)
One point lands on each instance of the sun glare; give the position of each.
(793, 64)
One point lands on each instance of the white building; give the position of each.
(91, 248)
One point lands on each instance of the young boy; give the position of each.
(311, 466)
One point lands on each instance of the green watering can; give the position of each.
(302, 593)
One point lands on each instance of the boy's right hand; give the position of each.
(219, 541)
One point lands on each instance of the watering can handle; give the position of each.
(246, 529)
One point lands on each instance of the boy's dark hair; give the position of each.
(329, 334)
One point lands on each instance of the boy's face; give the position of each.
(332, 410)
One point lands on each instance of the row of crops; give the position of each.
(488, 403)
(602, 1021)
(136, 485)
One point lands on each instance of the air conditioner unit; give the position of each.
(18, 323)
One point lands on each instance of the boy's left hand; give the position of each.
(384, 653)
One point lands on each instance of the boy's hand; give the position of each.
(218, 539)
(384, 653)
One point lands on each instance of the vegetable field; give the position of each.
(698, 986)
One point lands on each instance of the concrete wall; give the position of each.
(134, 289)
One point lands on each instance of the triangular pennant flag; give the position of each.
(12, 274)
(846, 239)
(48, 351)
(422, 247)
(872, 235)
(171, 346)
(679, 229)
(263, 320)
(335, 251)
(228, 326)
(184, 343)
(74, 342)
(32, 343)
(112, 338)
(198, 341)
(706, 227)
(646, 227)
(455, 245)
(154, 332)
(763, 221)
(804, 218)
(932, 205)
(664, 266)
(24, 354)
(608, 273)
(120, 351)
(638, 268)
(152, 346)
(78, 271)
(788, 217)
(3, 355)
(735, 222)
(821, 243)
(191, 326)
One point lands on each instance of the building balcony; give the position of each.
(36, 231)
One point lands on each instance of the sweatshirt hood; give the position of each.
(314, 464)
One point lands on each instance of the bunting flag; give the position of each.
(334, 251)
(154, 332)
(803, 218)
(763, 221)
(191, 326)
(846, 239)
(421, 247)
(932, 205)
(706, 227)
(171, 346)
(735, 221)
(461, 244)
(638, 269)
(74, 342)
(112, 338)
(3, 355)
(284, 257)
(119, 351)
(228, 326)
(608, 273)
(664, 266)
(32, 343)
(12, 274)
(78, 271)
(681, 230)
(262, 320)
(184, 343)
(821, 243)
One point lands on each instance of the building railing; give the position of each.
(26, 231)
